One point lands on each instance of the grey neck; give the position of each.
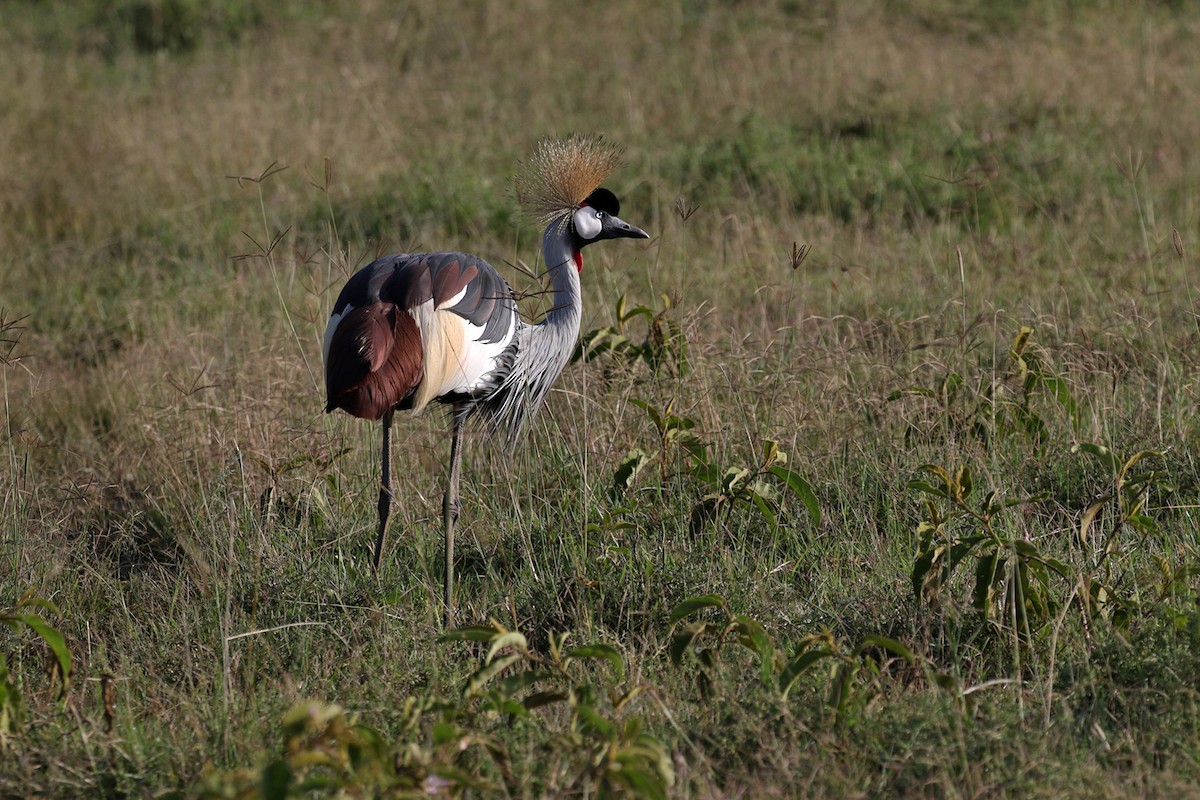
(544, 349)
(558, 250)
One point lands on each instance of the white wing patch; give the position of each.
(456, 360)
(334, 319)
(476, 359)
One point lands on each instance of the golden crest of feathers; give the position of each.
(563, 172)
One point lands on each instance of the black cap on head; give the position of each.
(604, 200)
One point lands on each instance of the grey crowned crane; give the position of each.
(416, 328)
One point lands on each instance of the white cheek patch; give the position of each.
(587, 223)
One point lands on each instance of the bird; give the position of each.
(413, 329)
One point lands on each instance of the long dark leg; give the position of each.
(450, 511)
(385, 490)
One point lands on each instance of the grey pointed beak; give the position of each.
(623, 230)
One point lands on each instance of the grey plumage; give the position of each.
(542, 350)
(411, 329)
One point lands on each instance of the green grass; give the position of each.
(959, 171)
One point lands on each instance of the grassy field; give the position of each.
(930, 484)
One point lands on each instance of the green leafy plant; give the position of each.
(1122, 507)
(448, 744)
(664, 343)
(674, 431)
(1012, 577)
(23, 616)
(614, 752)
(707, 639)
(759, 485)
(1003, 403)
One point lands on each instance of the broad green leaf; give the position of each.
(796, 667)
(985, 578)
(1133, 460)
(633, 464)
(29, 600)
(764, 509)
(1142, 523)
(632, 730)
(1062, 393)
(652, 412)
(595, 721)
(992, 503)
(1102, 454)
(963, 480)
(695, 448)
(510, 639)
(707, 472)
(539, 699)
(681, 641)
(802, 489)
(891, 645)
(604, 651)
(921, 570)
(55, 641)
(918, 485)
(942, 475)
(694, 604)
(639, 311)
(514, 708)
(841, 688)
(642, 783)
(752, 636)
(484, 675)
(961, 550)
(472, 633)
(445, 732)
(678, 425)
(276, 780)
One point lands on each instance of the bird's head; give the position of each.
(560, 184)
(596, 219)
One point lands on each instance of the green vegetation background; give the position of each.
(937, 258)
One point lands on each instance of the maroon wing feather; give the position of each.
(376, 357)
(375, 361)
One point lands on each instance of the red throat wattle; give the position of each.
(578, 258)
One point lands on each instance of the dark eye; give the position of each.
(600, 215)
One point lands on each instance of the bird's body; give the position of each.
(414, 328)
(411, 329)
